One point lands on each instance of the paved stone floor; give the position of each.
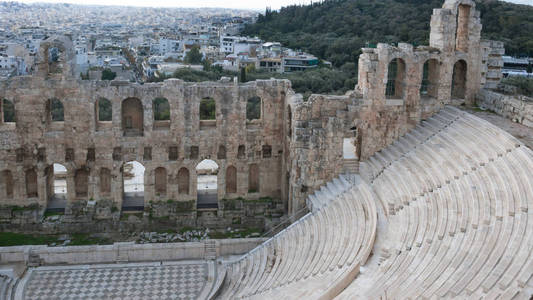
(118, 281)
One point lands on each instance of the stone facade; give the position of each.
(387, 102)
(291, 150)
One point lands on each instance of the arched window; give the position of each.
(160, 181)
(132, 117)
(231, 180)
(105, 181)
(183, 181)
(81, 182)
(207, 109)
(463, 18)
(6, 180)
(161, 109)
(253, 108)
(8, 111)
(253, 179)
(54, 60)
(241, 152)
(105, 110)
(31, 184)
(430, 79)
(267, 151)
(56, 110)
(459, 80)
(221, 154)
(395, 79)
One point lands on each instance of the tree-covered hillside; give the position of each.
(335, 30)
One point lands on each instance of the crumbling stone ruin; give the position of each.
(431, 200)
(289, 150)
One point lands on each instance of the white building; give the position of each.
(238, 44)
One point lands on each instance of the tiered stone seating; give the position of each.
(7, 286)
(459, 197)
(317, 256)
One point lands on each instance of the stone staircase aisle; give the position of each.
(350, 166)
(210, 247)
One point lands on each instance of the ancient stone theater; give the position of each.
(393, 190)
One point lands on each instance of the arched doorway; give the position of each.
(133, 179)
(58, 188)
(459, 80)
(349, 150)
(207, 184)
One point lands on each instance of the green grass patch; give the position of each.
(260, 200)
(125, 216)
(34, 206)
(83, 239)
(52, 213)
(187, 228)
(18, 239)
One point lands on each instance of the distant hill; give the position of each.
(335, 30)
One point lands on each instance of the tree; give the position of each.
(206, 65)
(243, 74)
(107, 74)
(194, 56)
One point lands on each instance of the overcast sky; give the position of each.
(242, 4)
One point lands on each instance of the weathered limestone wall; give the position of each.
(122, 252)
(40, 142)
(492, 63)
(517, 108)
(388, 101)
(297, 146)
(458, 43)
(319, 126)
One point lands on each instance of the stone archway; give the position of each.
(133, 186)
(58, 189)
(459, 80)
(207, 184)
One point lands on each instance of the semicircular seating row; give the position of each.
(7, 287)
(318, 255)
(458, 193)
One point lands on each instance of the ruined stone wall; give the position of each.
(517, 108)
(81, 142)
(398, 86)
(492, 63)
(296, 146)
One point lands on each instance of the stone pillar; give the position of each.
(443, 25)
(117, 184)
